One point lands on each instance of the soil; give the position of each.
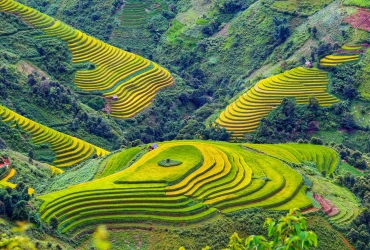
(326, 205)
(360, 19)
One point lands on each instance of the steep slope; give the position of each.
(69, 150)
(128, 80)
(245, 114)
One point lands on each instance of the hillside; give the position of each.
(172, 123)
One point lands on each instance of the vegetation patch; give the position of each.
(169, 163)
(69, 150)
(305, 7)
(359, 20)
(359, 3)
(245, 114)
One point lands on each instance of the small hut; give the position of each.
(153, 146)
(308, 64)
(115, 98)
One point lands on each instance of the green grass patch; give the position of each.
(201, 21)
(169, 163)
(361, 112)
(359, 3)
(345, 167)
(119, 161)
(302, 7)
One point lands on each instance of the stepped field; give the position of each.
(128, 81)
(245, 114)
(136, 13)
(352, 48)
(326, 159)
(68, 149)
(337, 60)
(5, 181)
(213, 177)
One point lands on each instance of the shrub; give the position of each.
(316, 141)
(360, 164)
(54, 223)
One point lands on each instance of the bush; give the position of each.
(316, 141)
(169, 163)
(360, 164)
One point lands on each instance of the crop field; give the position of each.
(129, 82)
(135, 13)
(337, 60)
(68, 150)
(352, 48)
(359, 3)
(360, 19)
(302, 7)
(341, 198)
(245, 114)
(325, 158)
(212, 177)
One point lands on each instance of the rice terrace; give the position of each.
(218, 124)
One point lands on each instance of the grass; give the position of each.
(213, 176)
(119, 161)
(359, 3)
(339, 196)
(344, 168)
(365, 76)
(302, 7)
(244, 115)
(361, 112)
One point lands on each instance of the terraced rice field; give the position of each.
(128, 81)
(213, 177)
(343, 199)
(135, 13)
(351, 48)
(245, 114)
(6, 183)
(337, 60)
(68, 150)
(326, 159)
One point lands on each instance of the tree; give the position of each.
(347, 121)
(281, 30)
(314, 32)
(313, 103)
(30, 155)
(8, 205)
(289, 233)
(54, 223)
(2, 208)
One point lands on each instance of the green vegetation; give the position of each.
(115, 70)
(289, 232)
(169, 163)
(359, 3)
(305, 7)
(326, 159)
(119, 161)
(242, 71)
(213, 176)
(244, 115)
(69, 150)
